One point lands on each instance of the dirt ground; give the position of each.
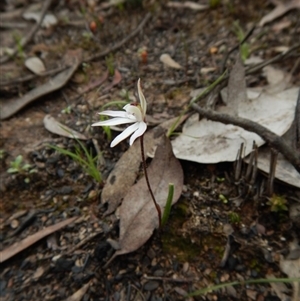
(109, 46)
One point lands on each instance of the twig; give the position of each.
(271, 138)
(272, 60)
(24, 41)
(122, 42)
(178, 280)
(31, 77)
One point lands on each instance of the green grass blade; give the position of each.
(168, 206)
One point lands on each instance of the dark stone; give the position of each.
(101, 250)
(151, 285)
(63, 265)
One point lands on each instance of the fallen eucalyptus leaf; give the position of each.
(126, 169)
(55, 127)
(48, 21)
(77, 296)
(169, 62)
(207, 141)
(30, 240)
(280, 9)
(35, 65)
(11, 107)
(138, 215)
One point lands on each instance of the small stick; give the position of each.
(122, 42)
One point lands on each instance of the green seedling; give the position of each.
(2, 154)
(247, 282)
(277, 203)
(244, 48)
(223, 198)
(109, 60)
(66, 110)
(214, 3)
(18, 167)
(20, 49)
(234, 217)
(167, 209)
(84, 158)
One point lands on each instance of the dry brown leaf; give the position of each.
(72, 59)
(169, 62)
(77, 296)
(138, 215)
(55, 127)
(125, 171)
(30, 240)
(117, 78)
(280, 9)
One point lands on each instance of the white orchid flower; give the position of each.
(134, 113)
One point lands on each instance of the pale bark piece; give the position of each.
(169, 62)
(77, 296)
(280, 9)
(126, 169)
(11, 107)
(236, 90)
(188, 4)
(138, 215)
(35, 65)
(291, 267)
(55, 127)
(30, 240)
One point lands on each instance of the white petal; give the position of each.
(125, 134)
(142, 98)
(114, 121)
(113, 113)
(139, 132)
(135, 111)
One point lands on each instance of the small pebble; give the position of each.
(151, 285)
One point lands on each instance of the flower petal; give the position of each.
(132, 128)
(139, 132)
(113, 113)
(114, 121)
(142, 98)
(135, 111)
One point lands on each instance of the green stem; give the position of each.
(148, 183)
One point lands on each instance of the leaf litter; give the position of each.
(126, 169)
(138, 216)
(272, 106)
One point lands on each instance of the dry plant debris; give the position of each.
(111, 44)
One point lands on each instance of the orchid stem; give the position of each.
(148, 183)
